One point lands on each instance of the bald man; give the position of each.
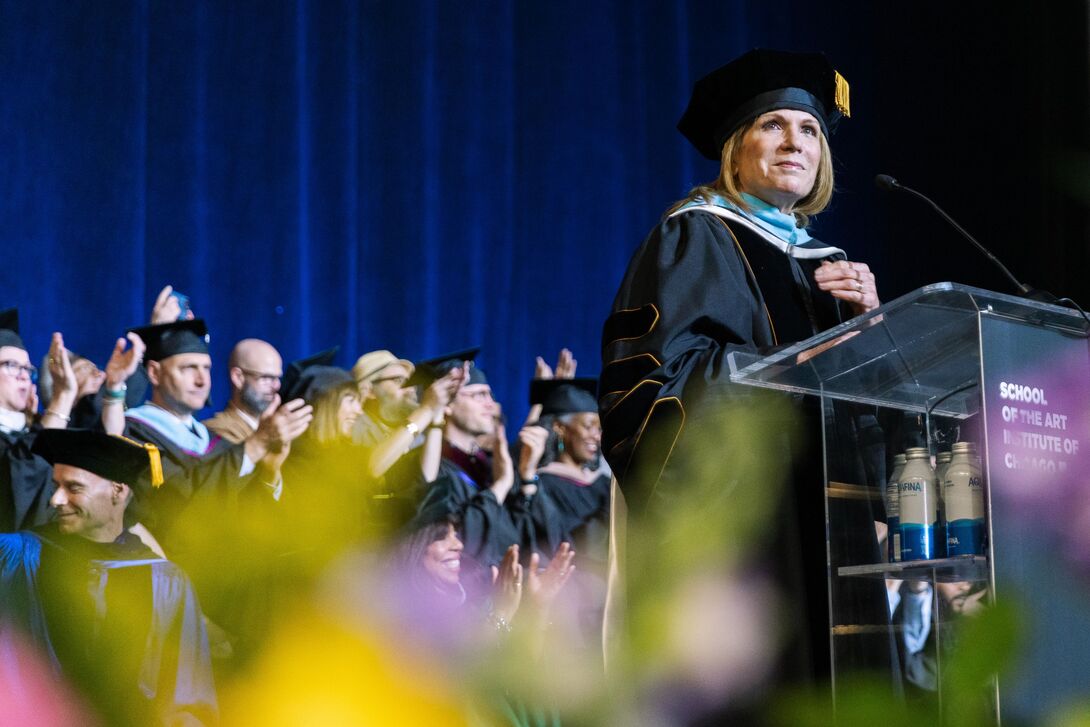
(255, 369)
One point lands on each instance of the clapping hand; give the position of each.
(565, 367)
(122, 363)
(507, 585)
(60, 369)
(278, 426)
(544, 586)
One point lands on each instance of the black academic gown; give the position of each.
(26, 483)
(209, 481)
(114, 619)
(700, 287)
(581, 515)
(461, 488)
(209, 520)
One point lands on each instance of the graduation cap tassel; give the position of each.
(842, 96)
(156, 464)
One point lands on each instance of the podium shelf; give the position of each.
(940, 570)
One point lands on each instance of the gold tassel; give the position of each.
(154, 458)
(156, 465)
(843, 101)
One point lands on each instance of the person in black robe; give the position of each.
(733, 268)
(25, 479)
(471, 482)
(393, 428)
(571, 477)
(216, 496)
(197, 465)
(108, 614)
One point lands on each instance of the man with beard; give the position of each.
(255, 370)
(393, 426)
(387, 400)
(110, 616)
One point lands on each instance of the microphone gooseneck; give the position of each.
(888, 184)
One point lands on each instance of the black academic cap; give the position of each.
(170, 339)
(564, 396)
(9, 329)
(757, 82)
(107, 455)
(430, 369)
(312, 376)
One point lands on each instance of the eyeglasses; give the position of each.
(266, 379)
(478, 395)
(14, 368)
(399, 381)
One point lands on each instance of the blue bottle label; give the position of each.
(917, 541)
(965, 537)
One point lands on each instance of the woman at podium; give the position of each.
(732, 267)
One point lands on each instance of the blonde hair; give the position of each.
(727, 185)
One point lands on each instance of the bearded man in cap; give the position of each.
(111, 617)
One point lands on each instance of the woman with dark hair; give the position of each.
(571, 476)
(441, 589)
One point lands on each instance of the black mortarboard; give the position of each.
(310, 377)
(757, 82)
(431, 369)
(170, 339)
(9, 329)
(564, 396)
(107, 455)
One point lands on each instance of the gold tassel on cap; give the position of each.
(843, 100)
(156, 464)
(155, 459)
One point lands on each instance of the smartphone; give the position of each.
(183, 304)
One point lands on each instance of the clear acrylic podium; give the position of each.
(1016, 375)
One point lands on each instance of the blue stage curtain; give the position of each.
(426, 175)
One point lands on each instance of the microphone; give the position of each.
(889, 184)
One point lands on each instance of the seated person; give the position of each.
(116, 620)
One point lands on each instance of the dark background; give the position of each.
(421, 176)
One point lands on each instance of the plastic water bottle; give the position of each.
(963, 489)
(918, 504)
